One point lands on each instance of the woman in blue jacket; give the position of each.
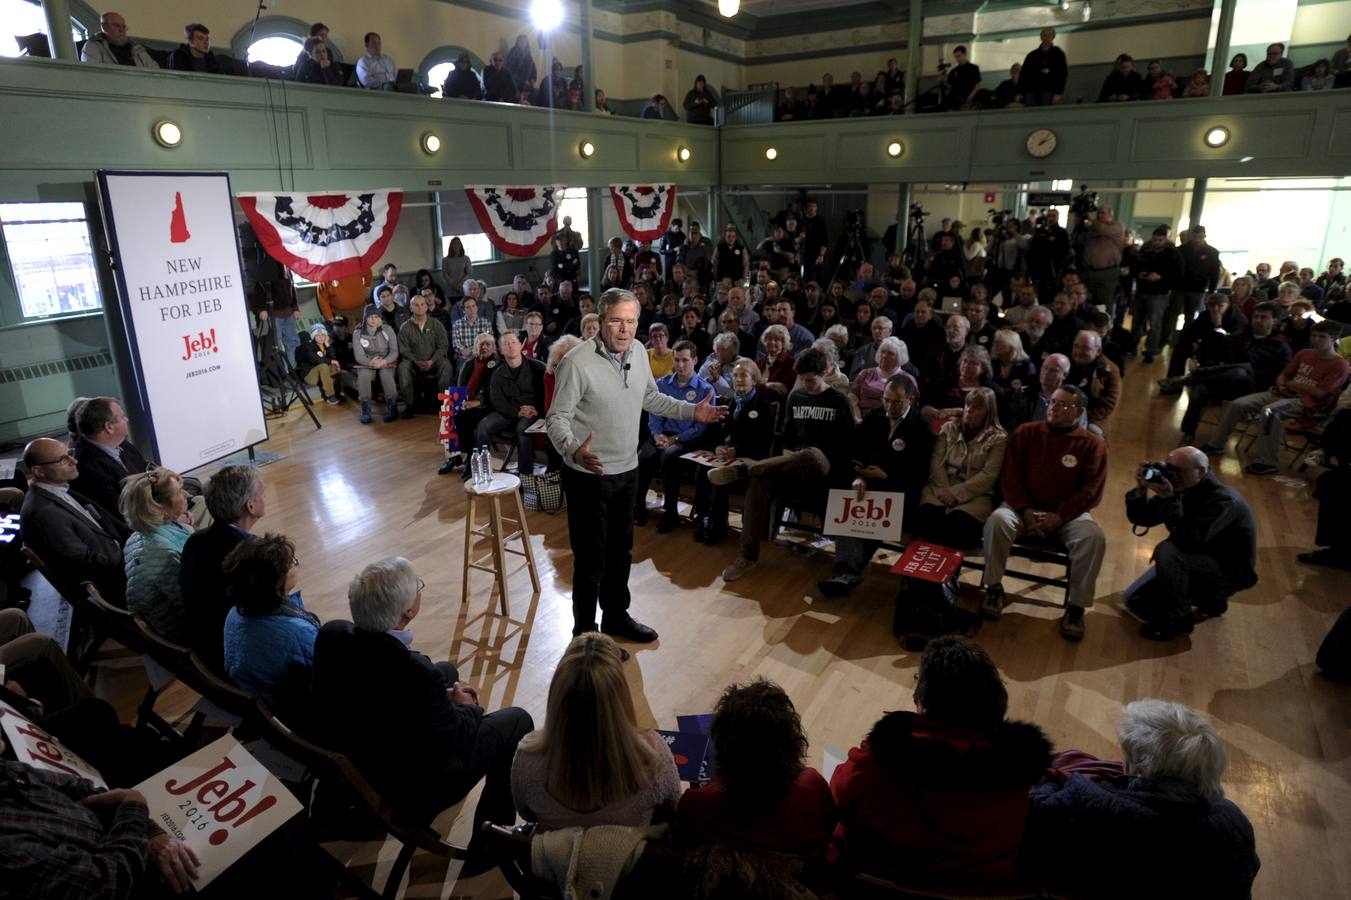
(155, 507)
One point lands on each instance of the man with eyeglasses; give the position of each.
(103, 452)
(598, 400)
(1054, 474)
(77, 539)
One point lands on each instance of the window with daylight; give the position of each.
(51, 258)
(573, 204)
(476, 246)
(24, 17)
(436, 77)
(276, 50)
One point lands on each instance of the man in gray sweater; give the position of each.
(602, 388)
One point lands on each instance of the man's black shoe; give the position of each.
(449, 465)
(583, 629)
(629, 629)
(669, 522)
(700, 530)
(716, 535)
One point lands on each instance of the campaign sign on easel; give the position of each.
(220, 801)
(185, 316)
(36, 748)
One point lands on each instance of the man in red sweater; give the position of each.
(1054, 473)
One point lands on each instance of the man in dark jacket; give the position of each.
(516, 395)
(1158, 269)
(940, 795)
(1239, 364)
(1200, 276)
(1202, 337)
(195, 55)
(1041, 82)
(1122, 83)
(462, 82)
(498, 84)
(104, 453)
(421, 738)
(894, 446)
(1209, 554)
(1049, 254)
(236, 501)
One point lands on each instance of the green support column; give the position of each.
(913, 55)
(595, 240)
(902, 218)
(1198, 201)
(1219, 59)
(57, 13)
(588, 61)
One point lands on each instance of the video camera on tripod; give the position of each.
(918, 213)
(998, 217)
(1084, 203)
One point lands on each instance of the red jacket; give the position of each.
(801, 824)
(923, 801)
(1060, 473)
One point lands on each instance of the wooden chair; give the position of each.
(85, 617)
(335, 770)
(125, 630)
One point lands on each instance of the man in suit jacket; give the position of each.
(103, 453)
(77, 540)
(235, 499)
(422, 739)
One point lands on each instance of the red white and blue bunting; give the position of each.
(325, 236)
(518, 220)
(644, 209)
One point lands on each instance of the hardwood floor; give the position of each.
(351, 494)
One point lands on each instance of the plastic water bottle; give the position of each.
(477, 467)
(484, 471)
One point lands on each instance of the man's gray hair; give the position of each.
(467, 286)
(1167, 740)
(612, 298)
(827, 346)
(725, 340)
(885, 320)
(834, 331)
(381, 592)
(1097, 338)
(229, 491)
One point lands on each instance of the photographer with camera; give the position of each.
(1210, 552)
(1104, 243)
(1049, 254)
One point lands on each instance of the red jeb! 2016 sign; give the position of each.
(221, 802)
(877, 516)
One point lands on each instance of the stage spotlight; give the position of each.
(546, 14)
(894, 149)
(729, 8)
(586, 149)
(167, 133)
(683, 153)
(431, 144)
(1217, 136)
(771, 154)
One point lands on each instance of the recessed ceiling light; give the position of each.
(894, 149)
(586, 149)
(431, 144)
(771, 154)
(1217, 136)
(167, 133)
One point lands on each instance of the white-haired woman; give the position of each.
(843, 343)
(1011, 365)
(717, 369)
(1157, 824)
(892, 358)
(155, 506)
(777, 364)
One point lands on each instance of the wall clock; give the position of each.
(1041, 143)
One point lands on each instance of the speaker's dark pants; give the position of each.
(600, 529)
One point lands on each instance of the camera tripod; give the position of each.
(916, 245)
(277, 378)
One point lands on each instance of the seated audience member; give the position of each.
(762, 796)
(112, 47)
(477, 290)
(534, 344)
(1097, 376)
(748, 433)
(104, 453)
(1296, 328)
(591, 764)
(835, 378)
(476, 378)
(387, 306)
(1011, 365)
(155, 505)
(1054, 473)
(940, 795)
(423, 349)
(818, 441)
(36, 667)
(376, 71)
(316, 66)
(516, 398)
(236, 500)
(976, 309)
(924, 331)
(791, 109)
(1037, 339)
(865, 393)
(466, 330)
(963, 472)
(316, 363)
(1307, 387)
(445, 742)
(693, 331)
(1275, 73)
(1065, 323)
(376, 350)
(557, 351)
(893, 448)
(60, 836)
(1198, 85)
(1159, 84)
(942, 360)
(588, 327)
(1030, 402)
(777, 365)
(511, 317)
(659, 355)
(1122, 83)
(717, 369)
(799, 338)
(77, 539)
(1209, 554)
(195, 55)
(1236, 79)
(879, 328)
(1219, 318)
(657, 109)
(946, 396)
(673, 438)
(462, 83)
(1086, 834)
(269, 636)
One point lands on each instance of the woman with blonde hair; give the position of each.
(963, 471)
(1012, 367)
(591, 764)
(156, 506)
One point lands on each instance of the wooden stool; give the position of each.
(501, 486)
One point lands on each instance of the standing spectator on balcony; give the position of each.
(553, 89)
(1122, 83)
(1236, 79)
(963, 81)
(656, 109)
(520, 62)
(498, 84)
(1275, 73)
(1006, 93)
(462, 82)
(895, 78)
(315, 66)
(1044, 72)
(376, 71)
(1320, 79)
(700, 102)
(112, 47)
(791, 109)
(195, 55)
